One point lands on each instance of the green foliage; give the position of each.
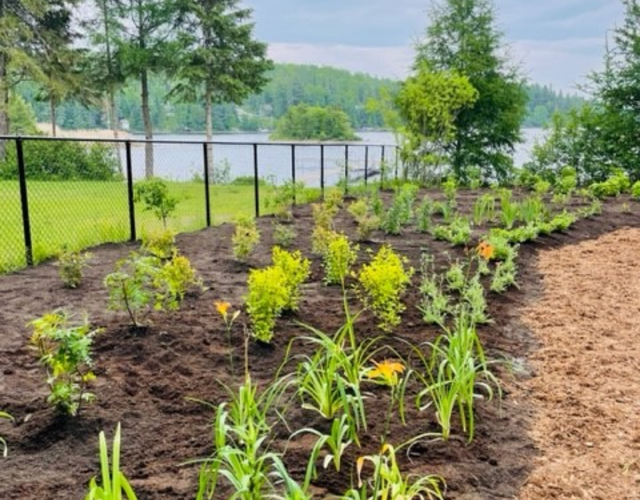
(484, 209)
(22, 118)
(296, 270)
(283, 235)
(59, 161)
(429, 123)
(382, 283)
(531, 210)
(160, 244)
(268, 295)
(155, 197)
(454, 372)
(340, 256)
(616, 184)
(388, 482)
(483, 134)
(505, 273)
(509, 210)
(567, 181)
(474, 297)
(114, 482)
(456, 277)
(70, 265)
(423, 215)
(457, 233)
(635, 191)
(65, 351)
(245, 238)
(282, 198)
(3, 443)
(140, 283)
(303, 122)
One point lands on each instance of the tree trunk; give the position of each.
(53, 116)
(4, 104)
(209, 133)
(114, 124)
(148, 127)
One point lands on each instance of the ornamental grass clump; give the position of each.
(64, 350)
(381, 284)
(267, 297)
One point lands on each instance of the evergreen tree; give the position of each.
(223, 63)
(462, 37)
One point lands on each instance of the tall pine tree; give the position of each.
(462, 37)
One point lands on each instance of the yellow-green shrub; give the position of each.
(267, 298)
(296, 270)
(382, 282)
(245, 238)
(161, 244)
(338, 259)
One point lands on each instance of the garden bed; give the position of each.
(146, 377)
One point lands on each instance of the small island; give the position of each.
(314, 123)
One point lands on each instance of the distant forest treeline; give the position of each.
(289, 85)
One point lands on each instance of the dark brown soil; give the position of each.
(146, 378)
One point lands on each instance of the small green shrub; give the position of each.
(245, 238)
(267, 297)
(141, 283)
(457, 233)
(161, 244)
(382, 283)
(154, 195)
(484, 209)
(635, 191)
(616, 184)
(70, 265)
(505, 274)
(425, 210)
(283, 235)
(65, 351)
(456, 277)
(338, 259)
(567, 181)
(296, 270)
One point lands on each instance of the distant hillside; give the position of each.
(289, 85)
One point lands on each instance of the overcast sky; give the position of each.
(555, 41)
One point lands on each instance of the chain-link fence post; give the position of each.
(366, 165)
(132, 208)
(322, 170)
(207, 203)
(24, 201)
(383, 168)
(346, 169)
(256, 180)
(293, 172)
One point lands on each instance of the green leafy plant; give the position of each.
(531, 210)
(366, 220)
(65, 351)
(474, 296)
(282, 198)
(455, 370)
(450, 187)
(388, 482)
(456, 276)
(160, 244)
(435, 304)
(484, 209)
(267, 297)
(70, 265)
(245, 238)
(340, 256)
(392, 375)
(635, 191)
(154, 195)
(296, 270)
(381, 285)
(114, 482)
(141, 283)
(457, 233)
(3, 443)
(392, 221)
(323, 214)
(616, 184)
(337, 441)
(222, 307)
(425, 210)
(505, 274)
(509, 210)
(283, 235)
(567, 181)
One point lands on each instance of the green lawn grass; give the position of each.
(82, 214)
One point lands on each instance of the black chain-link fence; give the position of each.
(58, 193)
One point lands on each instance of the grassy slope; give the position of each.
(82, 214)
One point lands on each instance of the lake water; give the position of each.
(186, 160)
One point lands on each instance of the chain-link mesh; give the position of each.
(77, 195)
(12, 249)
(78, 192)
